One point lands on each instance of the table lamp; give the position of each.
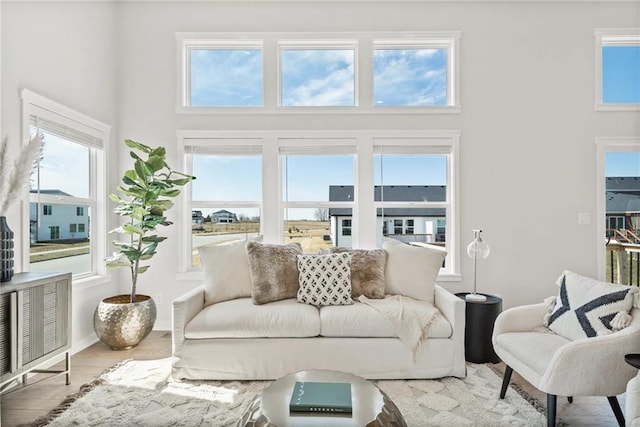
(476, 249)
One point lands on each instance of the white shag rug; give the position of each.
(143, 393)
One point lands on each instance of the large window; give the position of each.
(324, 188)
(618, 69)
(320, 77)
(411, 191)
(222, 74)
(66, 214)
(413, 74)
(619, 209)
(312, 168)
(377, 72)
(226, 196)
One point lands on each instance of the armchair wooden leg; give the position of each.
(615, 406)
(551, 410)
(505, 381)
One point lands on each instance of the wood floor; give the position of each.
(26, 405)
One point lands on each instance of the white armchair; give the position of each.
(560, 367)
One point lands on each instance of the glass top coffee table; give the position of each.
(371, 407)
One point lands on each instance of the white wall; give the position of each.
(528, 154)
(66, 52)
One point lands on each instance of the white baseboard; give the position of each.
(84, 343)
(162, 326)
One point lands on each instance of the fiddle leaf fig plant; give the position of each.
(144, 198)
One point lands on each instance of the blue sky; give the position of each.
(621, 74)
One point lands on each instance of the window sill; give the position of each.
(617, 107)
(90, 282)
(449, 277)
(185, 110)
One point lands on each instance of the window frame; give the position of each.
(35, 105)
(362, 42)
(191, 143)
(364, 207)
(606, 145)
(612, 37)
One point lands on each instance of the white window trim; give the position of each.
(34, 104)
(271, 43)
(607, 145)
(608, 37)
(272, 208)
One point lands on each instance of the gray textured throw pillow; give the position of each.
(367, 271)
(273, 270)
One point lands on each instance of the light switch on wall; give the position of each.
(584, 218)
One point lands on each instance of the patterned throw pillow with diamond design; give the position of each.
(587, 308)
(325, 279)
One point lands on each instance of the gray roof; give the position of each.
(623, 194)
(620, 203)
(393, 193)
(626, 184)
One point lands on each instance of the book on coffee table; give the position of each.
(321, 397)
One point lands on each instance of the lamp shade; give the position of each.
(477, 249)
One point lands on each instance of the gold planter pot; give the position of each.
(121, 324)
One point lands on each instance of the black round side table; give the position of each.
(480, 317)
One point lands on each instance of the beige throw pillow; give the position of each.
(412, 270)
(226, 272)
(367, 271)
(273, 270)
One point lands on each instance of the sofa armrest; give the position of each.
(450, 306)
(453, 308)
(565, 374)
(183, 309)
(524, 318)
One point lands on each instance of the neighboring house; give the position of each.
(623, 203)
(197, 218)
(406, 224)
(223, 217)
(49, 221)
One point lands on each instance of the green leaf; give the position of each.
(138, 146)
(181, 181)
(128, 228)
(155, 163)
(142, 269)
(159, 151)
(142, 170)
(170, 193)
(134, 155)
(157, 239)
(131, 174)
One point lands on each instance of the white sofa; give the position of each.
(237, 339)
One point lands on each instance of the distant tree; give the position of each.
(321, 214)
(243, 217)
(207, 218)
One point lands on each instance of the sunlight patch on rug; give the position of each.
(143, 393)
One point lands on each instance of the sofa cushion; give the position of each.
(325, 279)
(226, 272)
(361, 320)
(240, 318)
(586, 307)
(273, 270)
(412, 270)
(531, 349)
(367, 271)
